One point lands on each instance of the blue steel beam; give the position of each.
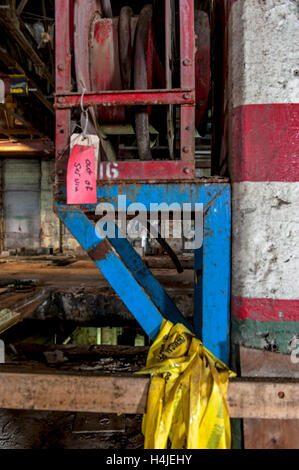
(125, 271)
(216, 275)
(211, 314)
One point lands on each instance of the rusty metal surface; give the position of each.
(125, 46)
(107, 9)
(84, 22)
(63, 84)
(100, 251)
(141, 80)
(187, 70)
(176, 178)
(202, 63)
(119, 99)
(165, 246)
(105, 65)
(131, 98)
(84, 19)
(169, 66)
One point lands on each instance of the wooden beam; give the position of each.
(260, 363)
(12, 64)
(271, 433)
(72, 392)
(28, 147)
(11, 26)
(10, 316)
(14, 132)
(21, 7)
(76, 392)
(16, 116)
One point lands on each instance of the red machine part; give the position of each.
(105, 65)
(126, 36)
(84, 21)
(86, 16)
(143, 76)
(111, 61)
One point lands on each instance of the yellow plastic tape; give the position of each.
(186, 405)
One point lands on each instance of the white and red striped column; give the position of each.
(262, 141)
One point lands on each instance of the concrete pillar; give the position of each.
(261, 142)
(49, 221)
(50, 225)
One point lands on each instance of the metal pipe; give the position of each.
(141, 82)
(107, 9)
(125, 46)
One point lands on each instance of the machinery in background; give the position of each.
(137, 79)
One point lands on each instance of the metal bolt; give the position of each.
(60, 99)
(186, 96)
(187, 62)
(281, 395)
(187, 171)
(186, 149)
(187, 128)
(60, 67)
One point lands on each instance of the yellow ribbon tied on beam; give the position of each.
(186, 404)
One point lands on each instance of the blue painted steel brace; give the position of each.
(132, 280)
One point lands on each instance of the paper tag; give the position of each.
(90, 139)
(81, 176)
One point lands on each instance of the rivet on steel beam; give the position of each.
(60, 67)
(60, 99)
(186, 96)
(281, 395)
(186, 149)
(187, 171)
(187, 62)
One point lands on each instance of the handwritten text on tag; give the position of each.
(81, 177)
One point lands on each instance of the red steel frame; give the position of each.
(183, 169)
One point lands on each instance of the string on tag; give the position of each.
(84, 111)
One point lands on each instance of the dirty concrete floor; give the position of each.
(77, 291)
(52, 430)
(51, 272)
(79, 280)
